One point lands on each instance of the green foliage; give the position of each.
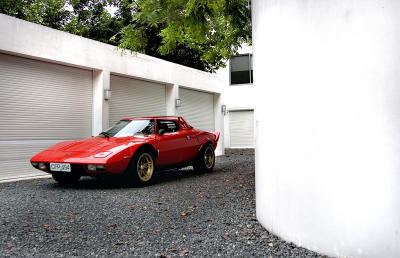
(214, 29)
(202, 34)
(50, 13)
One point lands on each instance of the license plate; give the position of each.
(62, 167)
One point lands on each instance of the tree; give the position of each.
(49, 13)
(211, 31)
(90, 19)
(202, 34)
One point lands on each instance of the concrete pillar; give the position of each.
(172, 93)
(327, 76)
(101, 82)
(219, 123)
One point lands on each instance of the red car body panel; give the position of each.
(115, 153)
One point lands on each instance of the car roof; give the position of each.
(153, 117)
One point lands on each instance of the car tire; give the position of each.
(206, 160)
(66, 179)
(142, 167)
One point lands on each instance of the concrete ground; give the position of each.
(183, 213)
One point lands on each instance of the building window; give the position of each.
(241, 69)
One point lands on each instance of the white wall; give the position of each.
(327, 76)
(236, 97)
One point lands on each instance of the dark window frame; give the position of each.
(250, 70)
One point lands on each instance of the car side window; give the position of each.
(168, 125)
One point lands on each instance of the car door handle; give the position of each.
(187, 137)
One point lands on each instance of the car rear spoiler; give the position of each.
(216, 135)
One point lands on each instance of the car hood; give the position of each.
(95, 145)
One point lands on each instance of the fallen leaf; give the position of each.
(209, 220)
(183, 252)
(197, 230)
(67, 236)
(46, 225)
(270, 244)
(9, 246)
(157, 230)
(173, 250)
(111, 226)
(128, 233)
(139, 237)
(166, 214)
(226, 236)
(57, 228)
(184, 214)
(200, 195)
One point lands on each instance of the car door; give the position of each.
(169, 145)
(190, 148)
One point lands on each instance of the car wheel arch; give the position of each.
(143, 147)
(205, 142)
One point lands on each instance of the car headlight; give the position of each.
(42, 166)
(34, 164)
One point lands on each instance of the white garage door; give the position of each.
(197, 108)
(41, 104)
(134, 98)
(241, 126)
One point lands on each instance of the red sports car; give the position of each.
(135, 147)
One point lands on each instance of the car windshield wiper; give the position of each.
(106, 134)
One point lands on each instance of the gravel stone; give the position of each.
(183, 213)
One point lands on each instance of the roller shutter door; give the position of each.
(197, 108)
(41, 104)
(241, 126)
(134, 98)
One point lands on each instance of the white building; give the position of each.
(327, 80)
(239, 100)
(56, 86)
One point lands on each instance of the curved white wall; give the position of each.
(327, 78)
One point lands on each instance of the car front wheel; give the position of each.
(143, 167)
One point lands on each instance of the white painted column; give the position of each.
(172, 93)
(327, 77)
(101, 82)
(219, 123)
(227, 132)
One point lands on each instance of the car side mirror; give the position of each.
(161, 132)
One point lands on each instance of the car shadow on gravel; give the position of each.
(120, 182)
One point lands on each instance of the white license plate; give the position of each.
(63, 167)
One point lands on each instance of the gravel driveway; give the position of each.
(182, 213)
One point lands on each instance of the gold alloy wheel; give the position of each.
(209, 157)
(145, 167)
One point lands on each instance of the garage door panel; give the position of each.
(197, 108)
(241, 126)
(41, 104)
(134, 98)
(40, 100)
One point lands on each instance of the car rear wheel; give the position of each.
(143, 167)
(66, 179)
(206, 159)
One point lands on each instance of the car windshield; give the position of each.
(134, 127)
